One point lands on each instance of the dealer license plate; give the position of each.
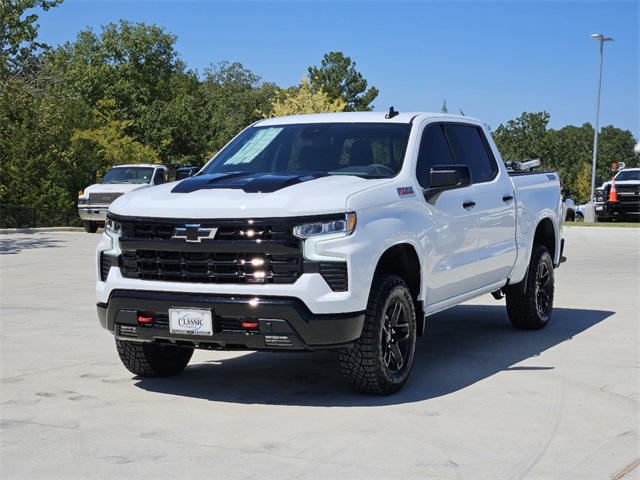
(190, 321)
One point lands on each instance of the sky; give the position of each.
(492, 60)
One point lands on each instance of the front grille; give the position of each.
(103, 198)
(210, 267)
(247, 252)
(628, 195)
(225, 230)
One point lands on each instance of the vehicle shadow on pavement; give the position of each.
(462, 346)
(10, 246)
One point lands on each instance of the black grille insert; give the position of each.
(244, 251)
(628, 194)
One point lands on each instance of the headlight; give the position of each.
(113, 227)
(345, 225)
(82, 200)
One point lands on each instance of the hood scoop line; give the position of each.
(246, 181)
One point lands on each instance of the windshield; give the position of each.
(628, 175)
(370, 150)
(128, 175)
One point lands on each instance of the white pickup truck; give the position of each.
(94, 201)
(332, 231)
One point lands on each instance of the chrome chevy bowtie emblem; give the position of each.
(194, 232)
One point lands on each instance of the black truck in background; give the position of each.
(619, 198)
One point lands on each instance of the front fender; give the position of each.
(378, 230)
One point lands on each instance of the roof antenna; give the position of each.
(391, 113)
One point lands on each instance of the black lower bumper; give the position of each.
(274, 323)
(629, 211)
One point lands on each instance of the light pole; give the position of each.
(601, 39)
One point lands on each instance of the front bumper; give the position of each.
(93, 214)
(282, 323)
(617, 210)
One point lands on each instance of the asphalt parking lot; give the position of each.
(484, 400)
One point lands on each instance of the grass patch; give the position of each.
(603, 224)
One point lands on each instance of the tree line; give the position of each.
(123, 95)
(569, 150)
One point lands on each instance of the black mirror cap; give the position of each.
(446, 177)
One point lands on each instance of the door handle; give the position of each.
(507, 198)
(469, 204)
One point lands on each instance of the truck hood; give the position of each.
(632, 183)
(241, 195)
(114, 187)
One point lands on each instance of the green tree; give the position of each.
(176, 126)
(338, 78)
(39, 164)
(18, 32)
(232, 98)
(138, 67)
(523, 138)
(302, 99)
(114, 145)
(569, 151)
(615, 146)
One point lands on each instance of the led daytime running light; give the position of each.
(113, 227)
(344, 225)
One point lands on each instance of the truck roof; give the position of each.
(361, 117)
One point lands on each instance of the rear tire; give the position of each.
(153, 359)
(532, 309)
(380, 361)
(90, 227)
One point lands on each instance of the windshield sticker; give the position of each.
(405, 192)
(254, 147)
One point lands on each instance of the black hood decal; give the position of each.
(247, 181)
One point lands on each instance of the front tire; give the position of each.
(380, 361)
(153, 359)
(532, 309)
(90, 226)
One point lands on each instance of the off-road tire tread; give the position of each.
(362, 364)
(521, 308)
(149, 359)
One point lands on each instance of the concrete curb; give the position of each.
(5, 231)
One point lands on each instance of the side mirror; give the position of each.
(446, 177)
(93, 175)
